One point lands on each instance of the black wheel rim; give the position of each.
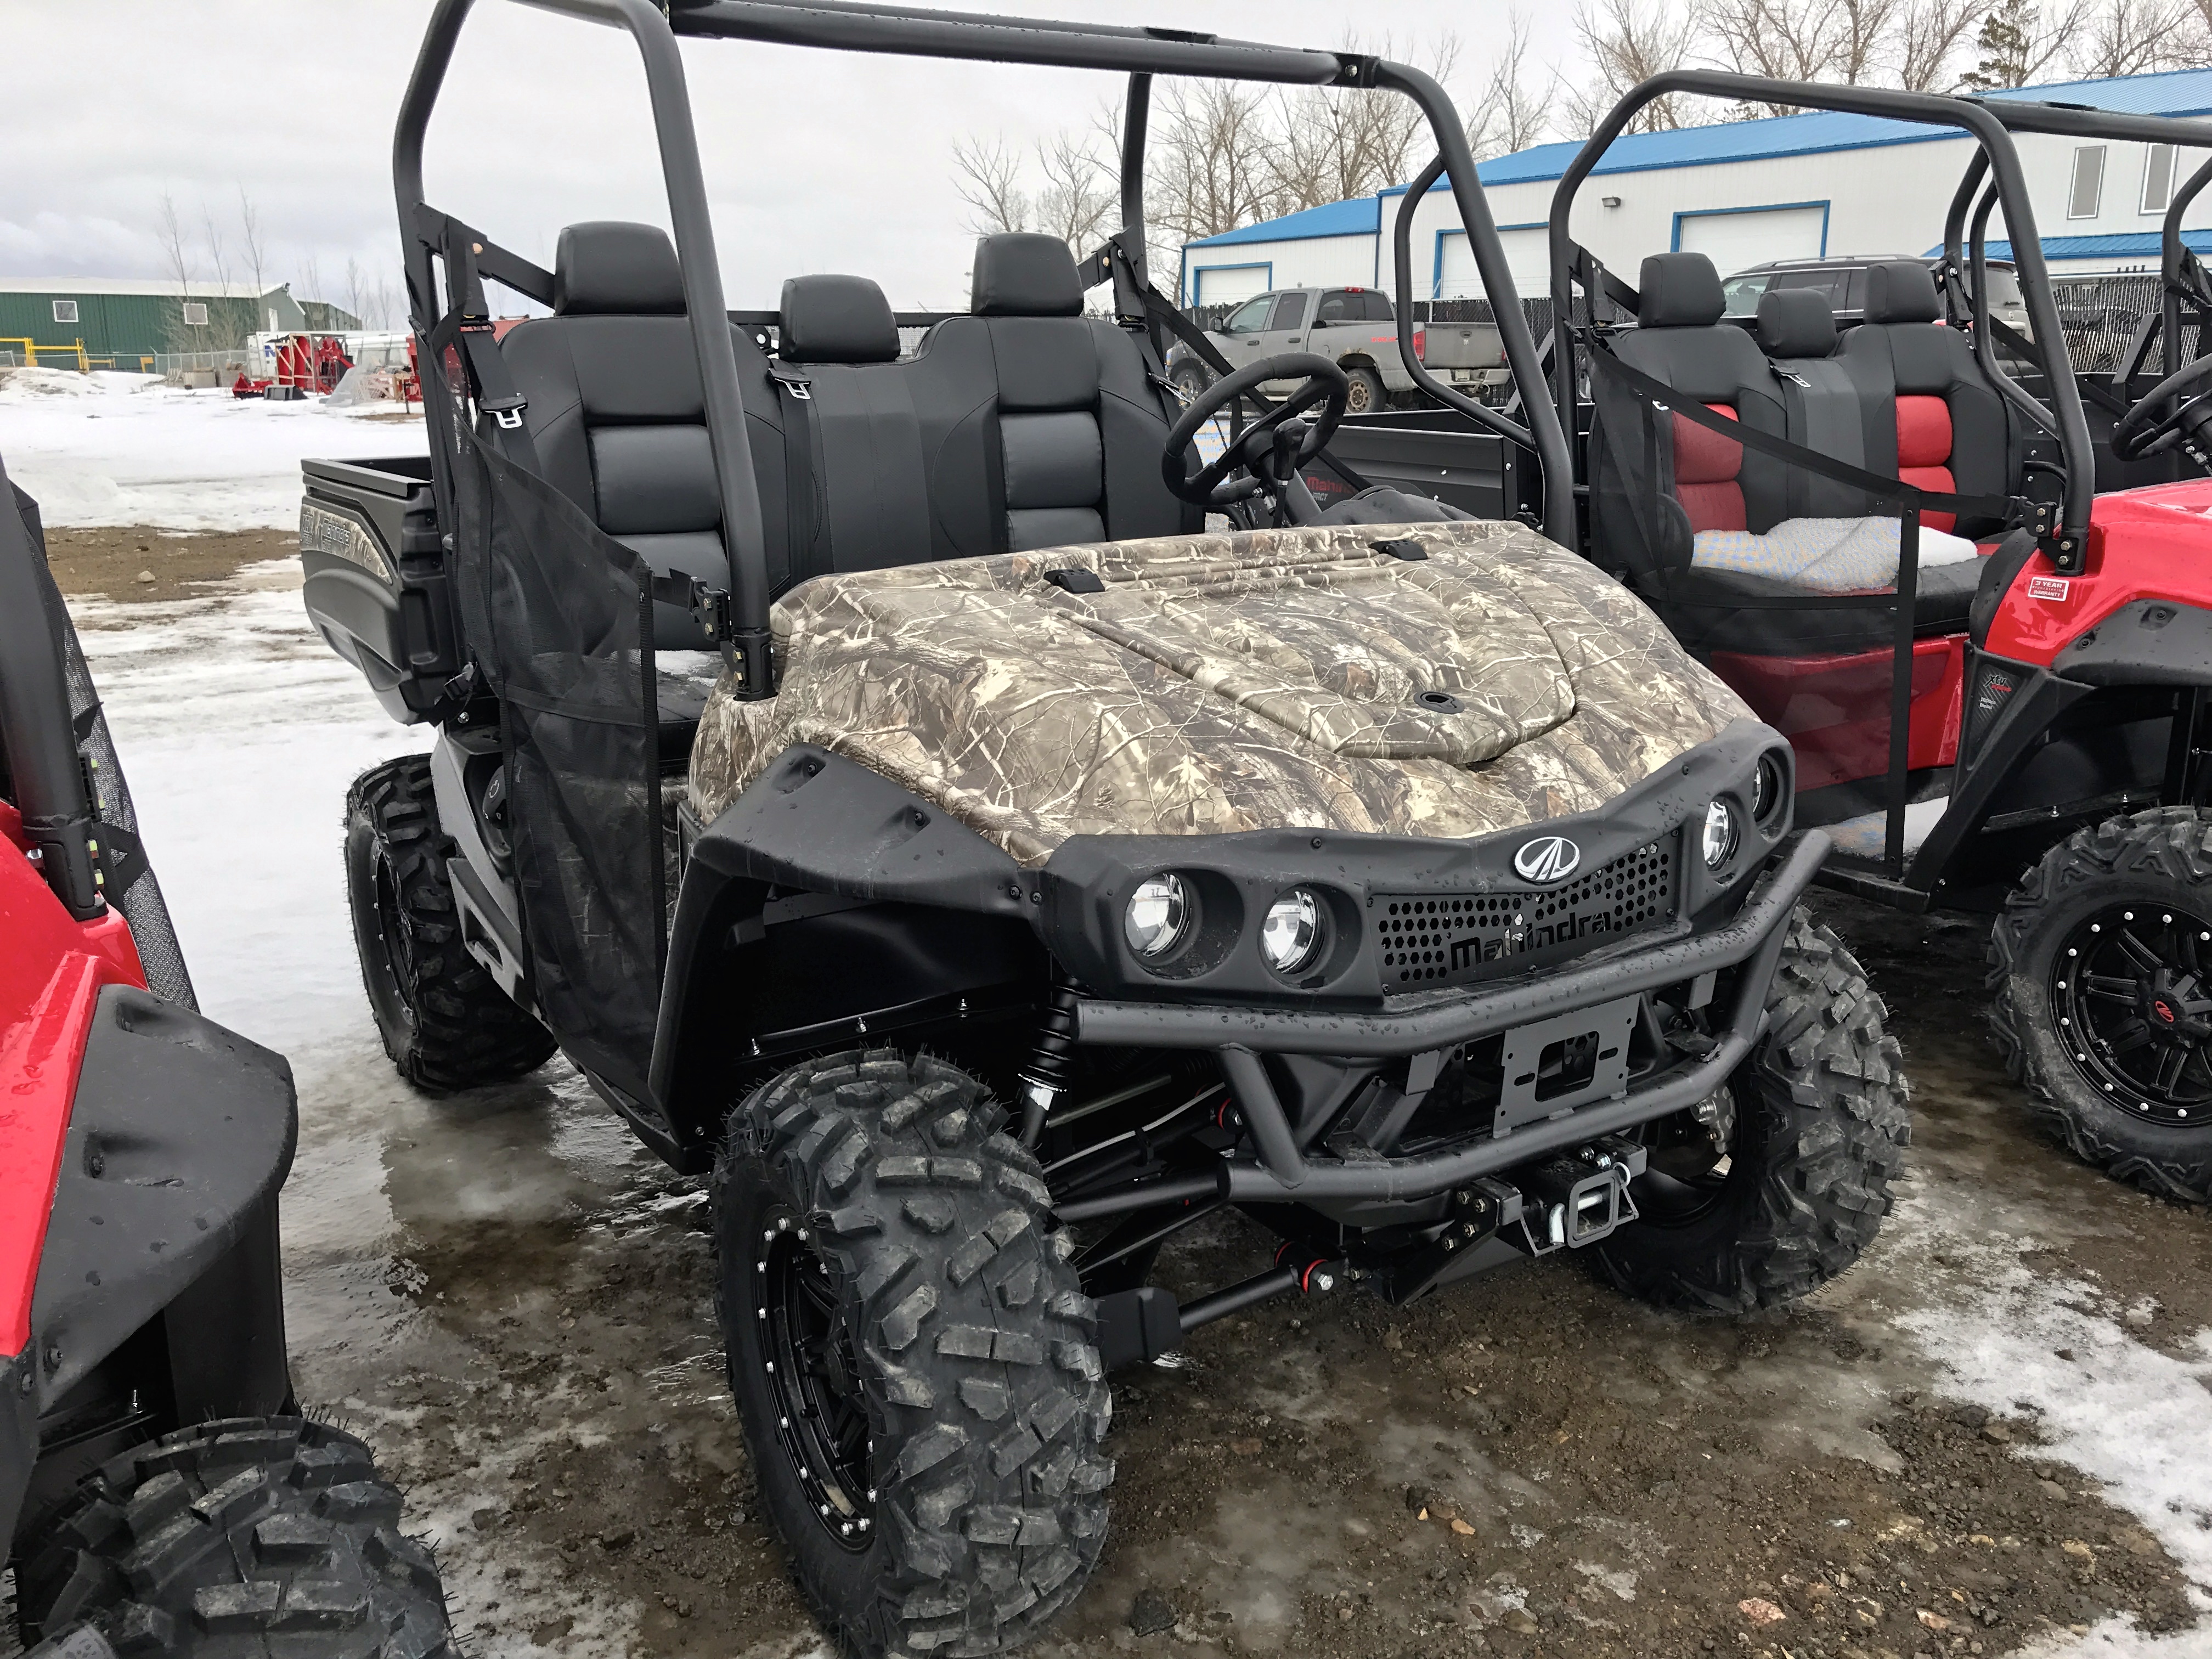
(393, 957)
(2131, 989)
(1689, 1158)
(814, 1381)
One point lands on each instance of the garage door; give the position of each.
(1216, 284)
(1527, 255)
(1734, 240)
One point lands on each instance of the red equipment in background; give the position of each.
(304, 363)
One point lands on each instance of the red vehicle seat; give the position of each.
(1931, 416)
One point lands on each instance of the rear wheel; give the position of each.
(247, 1537)
(911, 1356)
(1367, 394)
(444, 1021)
(2101, 964)
(1778, 1183)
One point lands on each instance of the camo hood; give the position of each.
(1312, 677)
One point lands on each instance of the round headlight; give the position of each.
(1720, 835)
(1765, 787)
(1158, 913)
(1289, 938)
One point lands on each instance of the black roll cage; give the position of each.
(907, 31)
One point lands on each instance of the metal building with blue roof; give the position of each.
(1791, 187)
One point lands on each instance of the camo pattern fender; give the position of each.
(1227, 681)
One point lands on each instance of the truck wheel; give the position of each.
(1366, 395)
(2101, 964)
(250, 1535)
(911, 1356)
(1189, 380)
(1764, 1193)
(444, 1021)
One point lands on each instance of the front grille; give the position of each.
(1430, 940)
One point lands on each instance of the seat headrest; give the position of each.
(1679, 290)
(607, 267)
(1901, 291)
(1021, 274)
(1796, 322)
(836, 319)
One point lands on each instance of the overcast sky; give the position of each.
(816, 160)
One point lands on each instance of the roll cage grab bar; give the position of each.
(905, 31)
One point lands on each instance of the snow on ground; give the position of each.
(126, 449)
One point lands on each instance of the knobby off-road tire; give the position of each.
(965, 1344)
(1820, 1127)
(233, 1540)
(2161, 863)
(444, 1021)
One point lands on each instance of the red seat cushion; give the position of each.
(1705, 469)
(1923, 450)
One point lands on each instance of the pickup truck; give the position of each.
(1356, 328)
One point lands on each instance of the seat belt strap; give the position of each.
(805, 536)
(468, 326)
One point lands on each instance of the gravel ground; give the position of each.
(1989, 1438)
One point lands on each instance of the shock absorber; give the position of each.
(1044, 1077)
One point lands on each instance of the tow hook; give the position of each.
(1570, 1202)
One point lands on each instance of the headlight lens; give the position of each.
(1765, 787)
(1158, 915)
(1720, 835)
(1289, 938)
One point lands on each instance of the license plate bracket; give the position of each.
(1554, 1065)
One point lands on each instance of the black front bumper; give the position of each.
(1751, 944)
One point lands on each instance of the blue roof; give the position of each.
(2174, 91)
(1357, 217)
(2122, 245)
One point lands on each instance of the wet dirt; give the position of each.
(111, 561)
(1525, 1465)
(1988, 1439)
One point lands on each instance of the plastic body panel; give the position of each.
(377, 583)
(2152, 543)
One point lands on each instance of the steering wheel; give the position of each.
(1254, 450)
(2141, 431)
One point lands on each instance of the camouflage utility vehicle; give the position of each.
(859, 757)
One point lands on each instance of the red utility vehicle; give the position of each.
(1889, 539)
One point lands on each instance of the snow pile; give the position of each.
(126, 449)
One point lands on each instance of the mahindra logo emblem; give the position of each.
(1548, 858)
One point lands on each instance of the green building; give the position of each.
(121, 320)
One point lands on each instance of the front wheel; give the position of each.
(1778, 1183)
(1189, 380)
(911, 1355)
(2101, 968)
(444, 1021)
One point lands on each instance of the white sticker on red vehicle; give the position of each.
(2047, 587)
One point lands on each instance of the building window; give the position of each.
(2088, 194)
(195, 314)
(2158, 177)
(65, 311)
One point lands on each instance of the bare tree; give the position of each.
(1626, 42)
(311, 280)
(990, 181)
(383, 306)
(1079, 201)
(1332, 143)
(1512, 113)
(1833, 40)
(2137, 37)
(1209, 143)
(356, 287)
(1928, 37)
(250, 244)
(176, 251)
